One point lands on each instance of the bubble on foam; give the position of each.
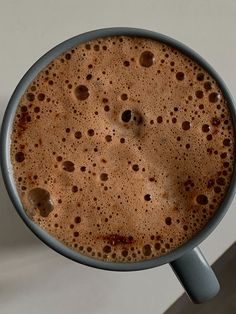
(74, 189)
(78, 134)
(174, 120)
(159, 119)
(206, 128)
(226, 164)
(199, 94)
(200, 76)
(147, 250)
(124, 96)
(41, 200)
(168, 221)
(68, 166)
(214, 97)
(135, 167)
(146, 59)
(68, 56)
(77, 219)
(202, 199)
(30, 96)
(221, 181)
(37, 109)
(107, 249)
(91, 132)
(210, 183)
(19, 156)
(180, 76)
(226, 142)
(81, 92)
(215, 121)
(104, 176)
(96, 47)
(186, 125)
(108, 138)
(126, 116)
(24, 109)
(106, 108)
(41, 96)
(124, 253)
(217, 189)
(207, 86)
(126, 63)
(209, 137)
(147, 197)
(157, 246)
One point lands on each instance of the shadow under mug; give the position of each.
(187, 261)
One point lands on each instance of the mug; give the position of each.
(187, 261)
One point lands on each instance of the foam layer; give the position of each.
(122, 148)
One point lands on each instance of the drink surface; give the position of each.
(122, 148)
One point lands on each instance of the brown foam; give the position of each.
(130, 144)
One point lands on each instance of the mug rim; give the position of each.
(5, 144)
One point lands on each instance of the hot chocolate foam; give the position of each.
(122, 148)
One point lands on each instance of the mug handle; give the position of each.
(196, 276)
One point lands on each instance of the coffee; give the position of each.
(122, 148)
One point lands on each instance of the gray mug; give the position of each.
(187, 261)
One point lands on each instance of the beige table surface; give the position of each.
(33, 278)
